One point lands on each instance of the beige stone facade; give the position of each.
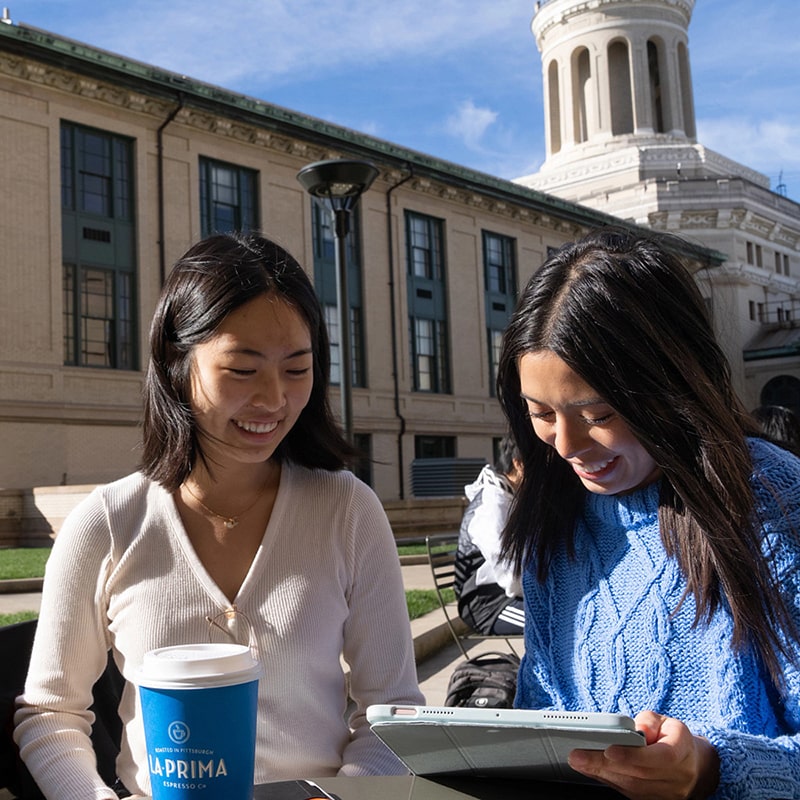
(68, 424)
(621, 138)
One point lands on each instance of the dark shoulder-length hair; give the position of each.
(622, 311)
(213, 278)
(780, 425)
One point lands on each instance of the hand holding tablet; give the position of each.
(497, 742)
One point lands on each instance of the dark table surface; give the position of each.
(416, 788)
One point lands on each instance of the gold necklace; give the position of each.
(228, 522)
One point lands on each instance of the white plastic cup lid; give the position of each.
(197, 665)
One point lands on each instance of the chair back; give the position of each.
(16, 642)
(442, 557)
(442, 550)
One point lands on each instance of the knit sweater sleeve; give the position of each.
(764, 767)
(53, 724)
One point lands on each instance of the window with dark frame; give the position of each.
(500, 294)
(434, 446)
(98, 247)
(324, 243)
(228, 197)
(427, 301)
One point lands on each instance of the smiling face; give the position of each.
(251, 380)
(567, 414)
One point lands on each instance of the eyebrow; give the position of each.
(591, 401)
(249, 351)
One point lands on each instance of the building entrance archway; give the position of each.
(784, 390)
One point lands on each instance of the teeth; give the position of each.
(257, 427)
(592, 468)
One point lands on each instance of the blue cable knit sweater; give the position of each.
(599, 635)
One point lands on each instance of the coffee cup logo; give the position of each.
(185, 690)
(178, 732)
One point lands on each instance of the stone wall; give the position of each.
(32, 517)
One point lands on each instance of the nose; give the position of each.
(269, 394)
(570, 437)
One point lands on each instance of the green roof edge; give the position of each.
(139, 76)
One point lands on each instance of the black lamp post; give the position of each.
(340, 183)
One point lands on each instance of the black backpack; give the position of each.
(486, 681)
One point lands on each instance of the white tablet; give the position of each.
(496, 742)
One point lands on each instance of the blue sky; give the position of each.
(457, 79)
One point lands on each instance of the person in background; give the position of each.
(780, 425)
(242, 525)
(488, 589)
(659, 531)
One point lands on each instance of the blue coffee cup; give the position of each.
(199, 705)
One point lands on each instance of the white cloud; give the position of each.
(469, 123)
(225, 43)
(770, 146)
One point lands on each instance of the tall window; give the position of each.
(98, 236)
(619, 74)
(581, 92)
(325, 285)
(658, 105)
(427, 303)
(228, 198)
(500, 288)
(554, 107)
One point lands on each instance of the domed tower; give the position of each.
(621, 137)
(619, 107)
(613, 74)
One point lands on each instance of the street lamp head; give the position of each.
(339, 181)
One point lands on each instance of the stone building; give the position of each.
(621, 137)
(110, 168)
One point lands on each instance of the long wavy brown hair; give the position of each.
(623, 312)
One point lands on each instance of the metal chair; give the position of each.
(442, 550)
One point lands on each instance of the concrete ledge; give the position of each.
(431, 634)
(14, 585)
(420, 558)
(430, 641)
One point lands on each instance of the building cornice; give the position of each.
(32, 55)
(551, 13)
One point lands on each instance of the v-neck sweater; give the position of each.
(324, 588)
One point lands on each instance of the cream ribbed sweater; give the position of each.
(325, 583)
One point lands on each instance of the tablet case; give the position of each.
(434, 748)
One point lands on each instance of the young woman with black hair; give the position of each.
(242, 525)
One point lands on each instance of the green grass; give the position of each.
(18, 616)
(28, 562)
(411, 549)
(419, 602)
(23, 562)
(415, 549)
(423, 601)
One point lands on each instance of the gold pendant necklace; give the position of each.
(228, 522)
